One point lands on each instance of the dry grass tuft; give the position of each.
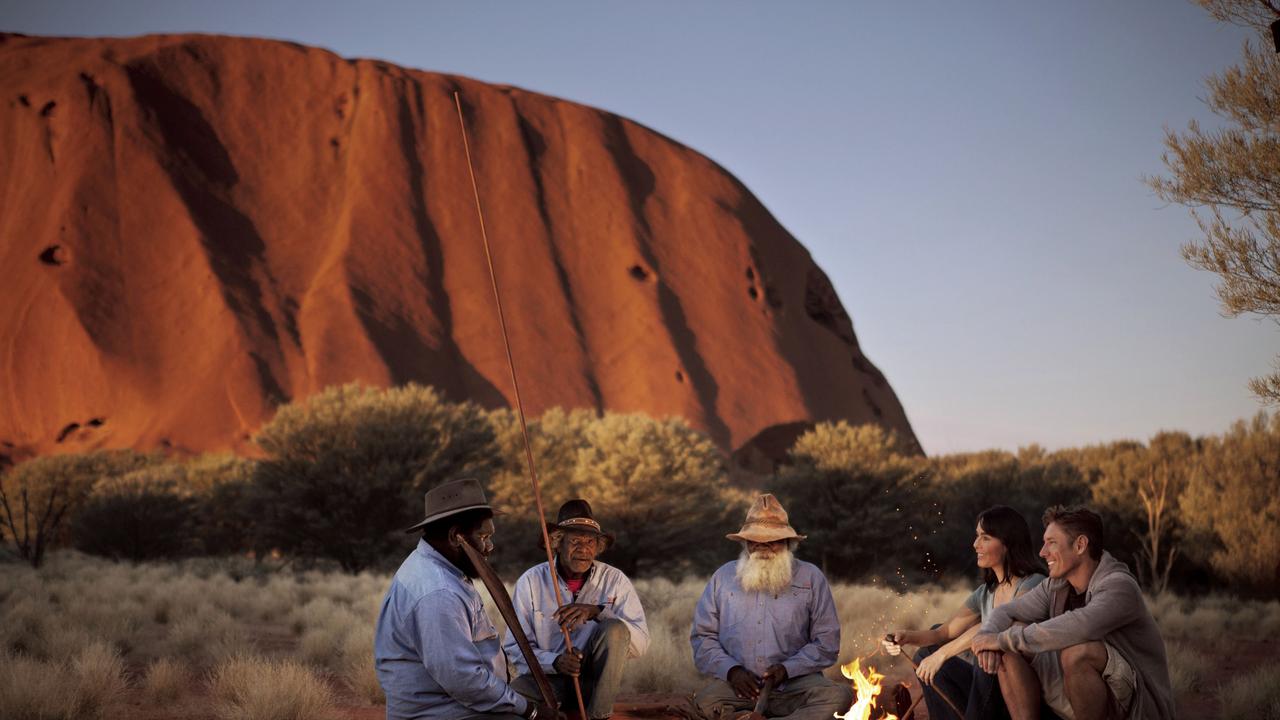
(166, 680)
(87, 687)
(31, 689)
(1252, 697)
(253, 688)
(1187, 668)
(98, 673)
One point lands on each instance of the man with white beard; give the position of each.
(768, 617)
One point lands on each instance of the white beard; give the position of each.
(760, 574)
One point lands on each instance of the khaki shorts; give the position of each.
(1118, 675)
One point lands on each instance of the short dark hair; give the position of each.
(465, 521)
(1010, 528)
(1076, 521)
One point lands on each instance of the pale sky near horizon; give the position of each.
(968, 174)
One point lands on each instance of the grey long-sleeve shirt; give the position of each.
(1114, 612)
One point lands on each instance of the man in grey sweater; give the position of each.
(1083, 641)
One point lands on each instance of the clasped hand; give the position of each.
(747, 686)
(987, 649)
(574, 614)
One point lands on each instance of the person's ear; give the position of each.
(455, 537)
(1082, 544)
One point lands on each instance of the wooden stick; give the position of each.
(515, 386)
(507, 609)
(941, 694)
(912, 708)
(763, 699)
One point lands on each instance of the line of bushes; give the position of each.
(344, 471)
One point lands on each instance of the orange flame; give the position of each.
(868, 688)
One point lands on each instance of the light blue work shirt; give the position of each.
(535, 603)
(798, 627)
(435, 649)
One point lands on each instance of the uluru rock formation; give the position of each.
(194, 229)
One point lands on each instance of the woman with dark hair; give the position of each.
(1010, 567)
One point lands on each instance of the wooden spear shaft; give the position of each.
(515, 386)
(938, 690)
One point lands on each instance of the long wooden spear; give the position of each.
(515, 386)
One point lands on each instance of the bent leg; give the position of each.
(1019, 686)
(810, 697)
(720, 693)
(561, 687)
(937, 707)
(1087, 691)
(604, 661)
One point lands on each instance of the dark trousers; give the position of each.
(975, 692)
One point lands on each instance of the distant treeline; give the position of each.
(344, 471)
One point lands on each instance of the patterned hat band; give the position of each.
(573, 522)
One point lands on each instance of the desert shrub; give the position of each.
(851, 489)
(31, 689)
(1255, 696)
(87, 686)
(220, 483)
(1187, 668)
(98, 673)
(962, 485)
(357, 668)
(253, 688)
(144, 515)
(166, 679)
(658, 485)
(40, 495)
(339, 482)
(1232, 500)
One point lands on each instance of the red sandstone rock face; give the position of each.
(194, 229)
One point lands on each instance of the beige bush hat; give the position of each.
(766, 522)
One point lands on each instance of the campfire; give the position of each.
(868, 688)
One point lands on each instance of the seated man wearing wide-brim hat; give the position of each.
(768, 617)
(436, 652)
(601, 612)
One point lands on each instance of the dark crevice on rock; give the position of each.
(47, 110)
(53, 255)
(638, 272)
(66, 431)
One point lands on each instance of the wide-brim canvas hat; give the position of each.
(576, 515)
(451, 498)
(766, 522)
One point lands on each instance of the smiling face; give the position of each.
(989, 549)
(577, 550)
(1060, 553)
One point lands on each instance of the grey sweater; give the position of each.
(1114, 612)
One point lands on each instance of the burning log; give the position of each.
(867, 688)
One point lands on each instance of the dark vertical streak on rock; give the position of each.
(641, 182)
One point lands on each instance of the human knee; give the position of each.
(615, 632)
(716, 692)
(840, 695)
(1090, 657)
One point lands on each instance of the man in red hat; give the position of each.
(436, 652)
(601, 612)
(768, 617)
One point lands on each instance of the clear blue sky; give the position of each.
(968, 174)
